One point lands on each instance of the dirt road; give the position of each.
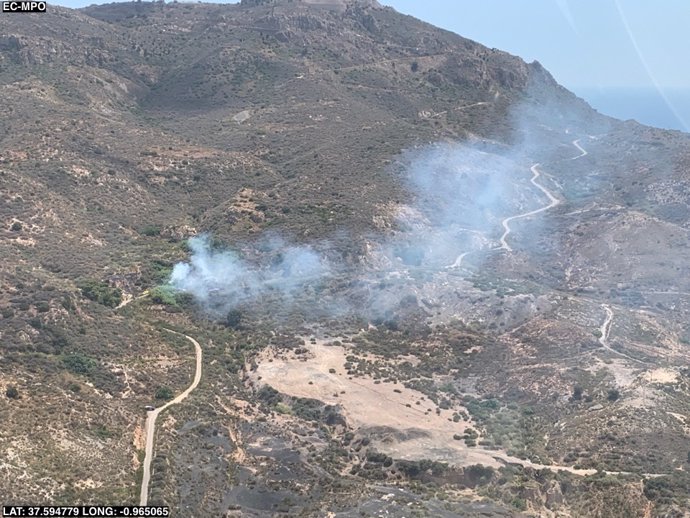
(150, 428)
(458, 261)
(127, 299)
(583, 152)
(605, 330)
(553, 201)
(606, 327)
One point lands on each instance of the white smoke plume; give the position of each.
(460, 198)
(222, 279)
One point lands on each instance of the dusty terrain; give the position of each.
(541, 345)
(427, 430)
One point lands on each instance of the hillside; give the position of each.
(434, 278)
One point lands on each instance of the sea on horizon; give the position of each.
(645, 105)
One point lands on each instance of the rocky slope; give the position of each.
(129, 127)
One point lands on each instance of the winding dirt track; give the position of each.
(458, 261)
(576, 143)
(553, 201)
(606, 327)
(150, 427)
(605, 330)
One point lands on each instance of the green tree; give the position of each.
(12, 392)
(101, 292)
(79, 363)
(164, 393)
(577, 392)
(233, 319)
(163, 295)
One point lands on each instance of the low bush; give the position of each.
(101, 292)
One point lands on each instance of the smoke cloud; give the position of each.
(460, 195)
(223, 279)
(460, 198)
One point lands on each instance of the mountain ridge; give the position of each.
(501, 259)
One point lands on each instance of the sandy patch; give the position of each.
(624, 375)
(139, 438)
(87, 483)
(25, 241)
(662, 376)
(79, 172)
(90, 240)
(407, 430)
(242, 116)
(237, 409)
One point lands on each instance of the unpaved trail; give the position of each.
(605, 330)
(583, 152)
(606, 327)
(674, 293)
(458, 261)
(129, 299)
(553, 201)
(150, 428)
(480, 103)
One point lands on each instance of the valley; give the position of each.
(356, 264)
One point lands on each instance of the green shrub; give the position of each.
(577, 392)
(414, 469)
(159, 271)
(308, 409)
(668, 489)
(12, 392)
(613, 395)
(102, 432)
(79, 363)
(184, 300)
(282, 408)
(269, 395)
(163, 295)
(101, 292)
(233, 319)
(377, 457)
(520, 504)
(163, 393)
(480, 474)
(151, 230)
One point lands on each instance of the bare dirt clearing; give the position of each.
(417, 429)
